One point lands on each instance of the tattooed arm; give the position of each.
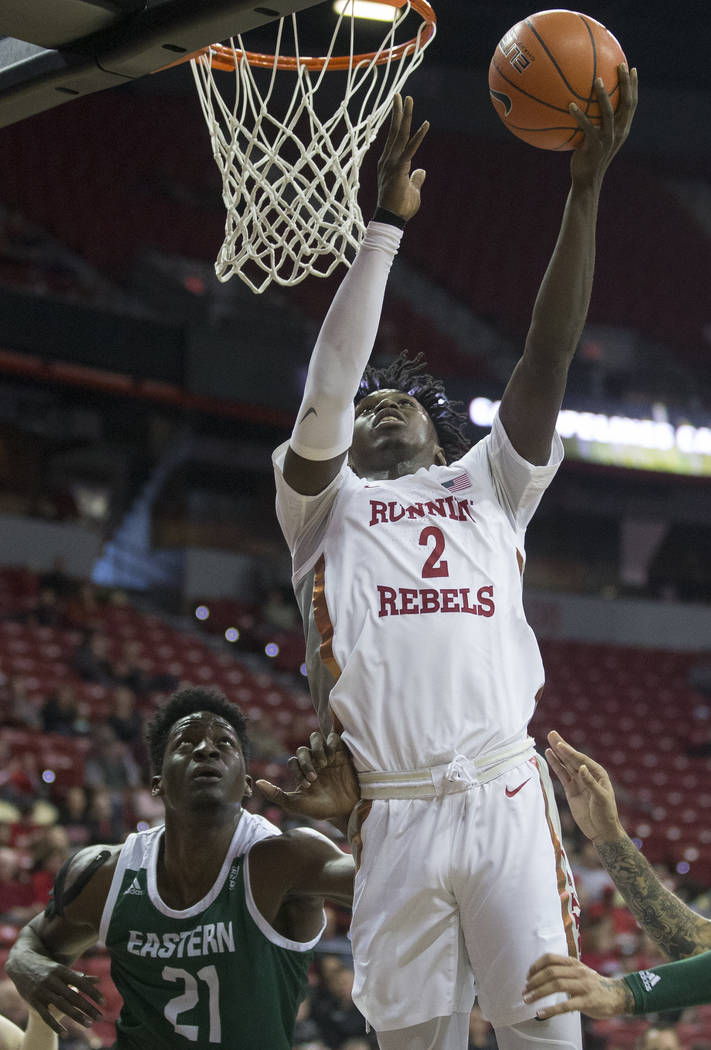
(678, 930)
(672, 925)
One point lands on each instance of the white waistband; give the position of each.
(459, 774)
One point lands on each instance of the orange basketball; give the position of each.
(544, 63)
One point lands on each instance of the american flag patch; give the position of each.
(462, 481)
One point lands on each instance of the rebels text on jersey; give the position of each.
(414, 588)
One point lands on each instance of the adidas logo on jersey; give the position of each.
(135, 887)
(649, 979)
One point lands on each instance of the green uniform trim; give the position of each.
(672, 986)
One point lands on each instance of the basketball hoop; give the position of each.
(289, 164)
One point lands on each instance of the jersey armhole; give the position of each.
(114, 888)
(266, 929)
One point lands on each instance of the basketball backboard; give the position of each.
(52, 51)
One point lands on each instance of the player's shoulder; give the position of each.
(295, 844)
(87, 873)
(81, 889)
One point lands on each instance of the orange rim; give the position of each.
(224, 58)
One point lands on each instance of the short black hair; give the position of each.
(408, 375)
(186, 702)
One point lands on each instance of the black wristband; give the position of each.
(383, 215)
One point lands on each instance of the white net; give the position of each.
(290, 163)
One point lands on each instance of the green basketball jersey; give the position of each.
(213, 975)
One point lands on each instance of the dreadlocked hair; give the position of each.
(408, 375)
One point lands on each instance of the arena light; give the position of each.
(232, 634)
(49, 776)
(644, 444)
(202, 612)
(271, 649)
(365, 9)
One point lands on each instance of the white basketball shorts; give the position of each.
(456, 896)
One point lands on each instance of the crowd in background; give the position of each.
(41, 825)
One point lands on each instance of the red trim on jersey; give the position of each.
(567, 903)
(322, 618)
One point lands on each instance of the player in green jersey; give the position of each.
(211, 918)
(681, 933)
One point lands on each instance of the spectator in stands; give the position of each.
(659, 1037)
(124, 718)
(592, 881)
(334, 1010)
(58, 580)
(266, 747)
(130, 670)
(16, 708)
(45, 611)
(279, 610)
(91, 659)
(334, 940)
(306, 1030)
(62, 714)
(73, 815)
(109, 763)
(17, 898)
(50, 852)
(83, 606)
(20, 783)
(105, 818)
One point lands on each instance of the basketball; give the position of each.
(544, 63)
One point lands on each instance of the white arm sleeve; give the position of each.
(324, 425)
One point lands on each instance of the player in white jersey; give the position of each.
(407, 554)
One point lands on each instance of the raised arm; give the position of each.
(324, 425)
(530, 405)
(40, 960)
(678, 930)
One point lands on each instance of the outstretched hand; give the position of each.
(590, 161)
(53, 990)
(398, 190)
(587, 991)
(327, 787)
(587, 788)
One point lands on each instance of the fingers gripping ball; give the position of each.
(544, 63)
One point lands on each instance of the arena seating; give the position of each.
(632, 709)
(502, 253)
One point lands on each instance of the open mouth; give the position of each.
(387, 415)
(206, 773)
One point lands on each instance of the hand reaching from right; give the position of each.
(588, 790)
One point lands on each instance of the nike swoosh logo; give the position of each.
(307, 414)
(510, 793)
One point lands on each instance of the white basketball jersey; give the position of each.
(411, 592)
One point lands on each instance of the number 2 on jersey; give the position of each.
(435, 564)
(180, 1004)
